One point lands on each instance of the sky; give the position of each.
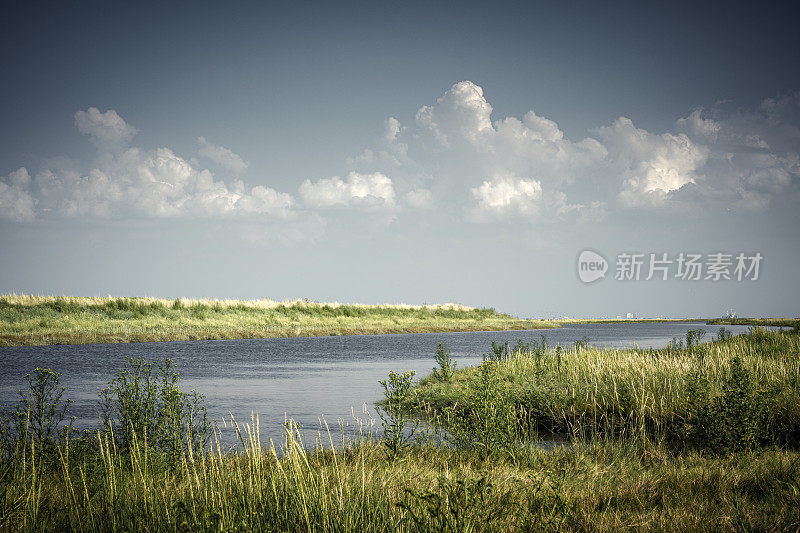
(415, 153)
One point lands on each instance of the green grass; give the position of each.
(764, 322)
(649, 394)
(33, 320)
(637, 470)
(599, 486)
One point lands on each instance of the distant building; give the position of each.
(630, 316)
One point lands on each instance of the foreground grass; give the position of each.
(585, 487)
(35, 320)
(634, 456)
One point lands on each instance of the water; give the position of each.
(304, 378)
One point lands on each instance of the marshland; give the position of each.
(42, 320)
(698, 434)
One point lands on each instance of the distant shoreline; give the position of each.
(50, 320)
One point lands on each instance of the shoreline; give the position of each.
(15, 341)
(47, 320)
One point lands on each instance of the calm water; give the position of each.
(305, 378)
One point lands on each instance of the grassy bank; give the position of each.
(764, 322)
(748, 385)
(40, 320)
(689, 438)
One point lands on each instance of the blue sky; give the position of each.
(416, 153)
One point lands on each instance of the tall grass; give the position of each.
(31, 320)
(598, 486)
(600, 480)
(649, 394)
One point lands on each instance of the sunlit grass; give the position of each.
(31, 320)
(588, 391)
(292, 487)
(592, 481)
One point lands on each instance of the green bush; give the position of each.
(40, 414)
(488, 421)
(143, 401)
(398, 423)
(737, 419)
(447, 366)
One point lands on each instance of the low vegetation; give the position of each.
(694, 437)
(39, 320)
(762, 322)
(749, 383)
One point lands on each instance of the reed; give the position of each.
(657, 395)
(296, 487)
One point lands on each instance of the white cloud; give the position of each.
(106, 130)
(705, 128)
(651, 165)
(221, 155)
(370, 190)
(454, 156)
(502, 193)
(137, 183)
(461, 111)
(419, 198)
(16, 203)
(454, 144)
(512, 197)
(717, 159)
(509, 194)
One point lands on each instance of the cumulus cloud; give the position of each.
(454, 155)
(369, 190)
(697, 126)
(512, 197)
(461, 112)
(454, 144)
(133, 182)
(106, 130)
(221, 155)
(753, 156)
(651, 165)
(419, 198)
(16, 203)
(509, 193)
(710, 157)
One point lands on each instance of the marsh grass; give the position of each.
(37, 320)
(602, 479)
(602, 485)
(747, 384)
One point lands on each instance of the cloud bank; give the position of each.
(453, 156)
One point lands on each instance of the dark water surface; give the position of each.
(304, 378)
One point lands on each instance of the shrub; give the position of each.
(737, 419)
(499, 352)
(447, 366)
(41, 411)
(694, 336)
(143, 401)
(488, 422)
(398, 424)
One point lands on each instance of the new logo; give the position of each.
(591, 266)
